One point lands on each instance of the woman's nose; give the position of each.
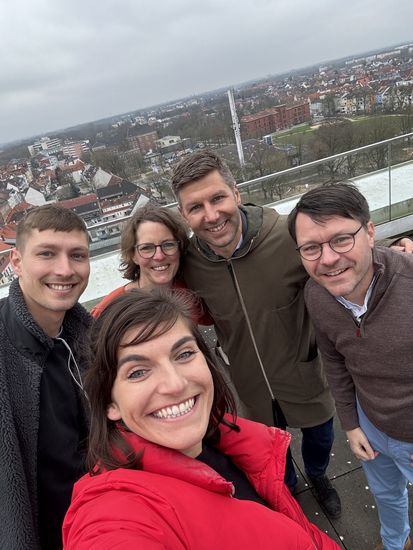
(172, 381)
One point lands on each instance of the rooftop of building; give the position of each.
(375, 187)
(79, 201)
(358, 528)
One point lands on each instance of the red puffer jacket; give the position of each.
(180, 503)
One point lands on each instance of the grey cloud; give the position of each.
(63, 63)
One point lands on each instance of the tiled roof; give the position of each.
(68, 169)
(21, 207)
(78, 201)
(5, 246)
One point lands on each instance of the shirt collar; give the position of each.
(357, 310)
(243, 231)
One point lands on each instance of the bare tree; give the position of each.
(328, 142)
(377, 129)
(161, 185)
(329, 105)
(110, 161)
(351, 138)
(265, 159)
(134, 165)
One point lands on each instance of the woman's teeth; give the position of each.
(175, 410)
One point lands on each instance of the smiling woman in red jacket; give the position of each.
(170, 465)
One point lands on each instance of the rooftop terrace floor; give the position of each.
(358, 528)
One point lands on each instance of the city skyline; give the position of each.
(62, 67)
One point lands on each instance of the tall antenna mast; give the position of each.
(235, 126)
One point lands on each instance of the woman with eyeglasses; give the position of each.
(171, 467)
(152, 243)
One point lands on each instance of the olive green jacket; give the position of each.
(257, 303)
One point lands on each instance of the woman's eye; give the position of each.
(186, 354)
(138, 373)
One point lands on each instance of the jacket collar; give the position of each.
(27, 335)
(252, 219)
(168, 462)
(385, 264)
(252, 449)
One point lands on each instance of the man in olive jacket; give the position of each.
(243, 263)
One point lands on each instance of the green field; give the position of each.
(303, 134)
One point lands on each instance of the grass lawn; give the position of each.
(304, 133)
(299, 134)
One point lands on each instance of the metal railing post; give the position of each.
(389, 167)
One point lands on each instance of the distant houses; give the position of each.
(96, 195)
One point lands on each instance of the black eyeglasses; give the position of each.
(148, 250)
(340, 243)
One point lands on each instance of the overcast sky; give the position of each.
(63, 63)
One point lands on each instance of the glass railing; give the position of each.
(372, 167)
(382, 170)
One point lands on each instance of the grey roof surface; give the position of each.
(358, 528)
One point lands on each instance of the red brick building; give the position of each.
(277, 118)
(142, 138)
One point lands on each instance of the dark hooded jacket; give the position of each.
(24, 349)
